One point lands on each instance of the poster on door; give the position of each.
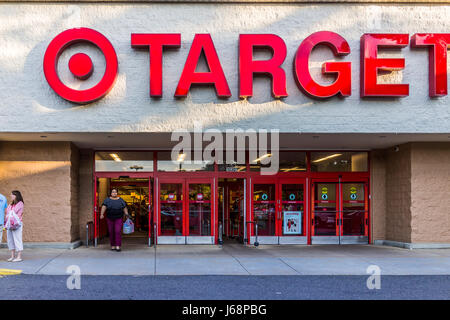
(292, 222)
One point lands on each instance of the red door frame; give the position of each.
(227, 230)
(337, 201)
(365, 181)
(158, 195)
(185, 182)
(263, 180)
(116, 175)
(350, 178)
(278, 180)
(213, 202)
(302, 181)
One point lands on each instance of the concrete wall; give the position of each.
(398, 194)
(378, 194)
(27, 29)
(430, 192)
(86, 191)
(74, 193)
(410, 188)
(43, 173)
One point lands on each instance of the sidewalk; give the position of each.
(233, 259)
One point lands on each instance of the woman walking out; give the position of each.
(115, 207)
(14, 230)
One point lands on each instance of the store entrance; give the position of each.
(339, 212)
(231, 210)
(186, 211)
(136, 192)
(279, 211)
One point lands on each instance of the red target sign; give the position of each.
(80, 65)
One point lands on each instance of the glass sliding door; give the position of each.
(340, 211)
(278, 208)
(201, 216)
(186, 211)
(264, 210)
(171, 212)
(325, 212)
(292, 216)
(355, 212)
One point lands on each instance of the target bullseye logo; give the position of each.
(80, 65)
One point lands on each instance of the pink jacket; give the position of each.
(18, 209)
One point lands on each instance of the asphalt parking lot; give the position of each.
(24, 287)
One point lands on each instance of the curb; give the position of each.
(408, 245)
(48, 245)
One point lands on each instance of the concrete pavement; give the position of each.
(233, 259)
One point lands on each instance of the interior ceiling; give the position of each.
(294, 141)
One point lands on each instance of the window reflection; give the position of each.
(113, 161)
(288, 162)
(237, 164)
(183, 163)
(339, 161)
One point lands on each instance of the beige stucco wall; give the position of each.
(86, 191)
(398, 194)
(74, 192)
(430, 192)
(410, 188)
(26, 29)
(378, 194)
(44, 174)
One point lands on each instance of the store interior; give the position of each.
(135, 192)
(231, 209)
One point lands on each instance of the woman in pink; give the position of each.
(15, 236)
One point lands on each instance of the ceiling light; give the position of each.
(181, 157)
(293, 169)
(328, 157)
(115, 157)
(262, 157)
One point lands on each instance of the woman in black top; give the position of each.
(115, 207)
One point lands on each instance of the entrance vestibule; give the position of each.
(314, 198)
(231, 211)
(136, 193)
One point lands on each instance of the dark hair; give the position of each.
(18, 197)
(113, 189)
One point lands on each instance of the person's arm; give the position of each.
(102, 211)
(125, 210)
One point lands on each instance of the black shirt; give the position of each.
(114, 208)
